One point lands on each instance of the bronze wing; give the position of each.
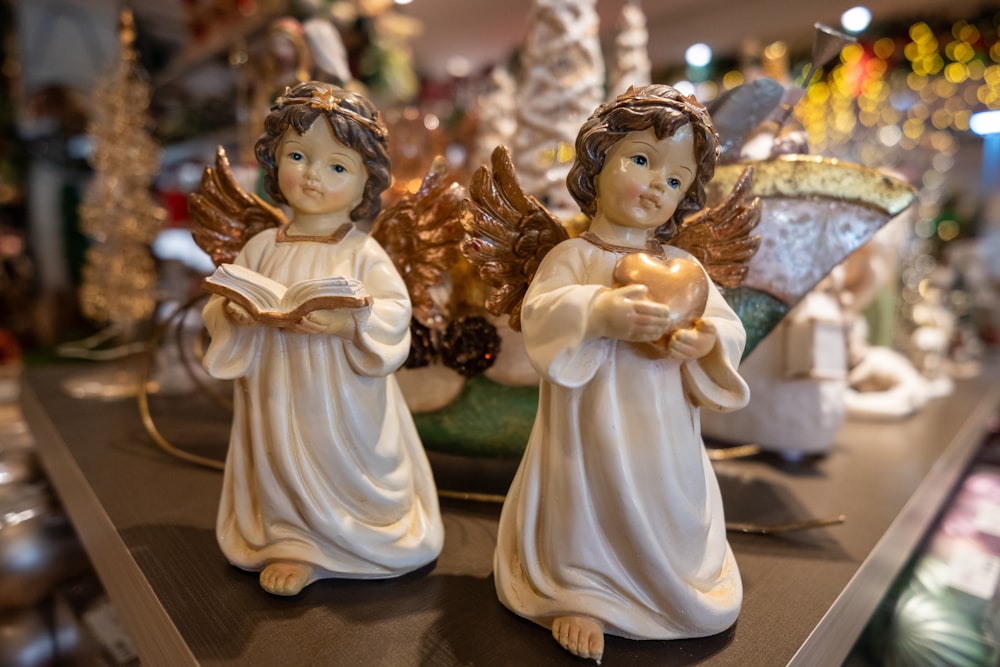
(721, 237)
(507, 234)
(421, 234)
(225, 215)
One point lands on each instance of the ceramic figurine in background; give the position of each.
(798, 379)
(614, 522)
(325, 475)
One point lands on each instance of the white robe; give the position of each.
(325, 465)
(615, 512)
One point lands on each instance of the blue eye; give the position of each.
(674, 183)
(339, 168)
(640, 160)
(294, 155)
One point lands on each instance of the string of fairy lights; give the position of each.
(905, 90)
(900, 99)
(905, 103)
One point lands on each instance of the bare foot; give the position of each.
(580, 636)
(285, 577)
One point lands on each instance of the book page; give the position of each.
(263, 291)
(314, 288)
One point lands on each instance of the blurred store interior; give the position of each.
(110, 111)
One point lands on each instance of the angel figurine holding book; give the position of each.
(325, 474)
(614, 521)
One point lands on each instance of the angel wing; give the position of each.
(225, 215)
(421, 233)
(720, 237)
(508, 234)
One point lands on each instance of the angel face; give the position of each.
(645, 178)
(317, 174)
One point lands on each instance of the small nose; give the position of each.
(658, 180)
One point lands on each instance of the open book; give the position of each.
(270, 302)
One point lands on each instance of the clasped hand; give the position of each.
(626, 313)
(341, 322)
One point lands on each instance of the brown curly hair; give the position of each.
(355, 123)
(657, 106)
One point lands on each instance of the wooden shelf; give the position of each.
(147, 521)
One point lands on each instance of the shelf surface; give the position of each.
(147, 521)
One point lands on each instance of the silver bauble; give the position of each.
(38, 548)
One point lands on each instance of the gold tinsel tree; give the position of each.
(118, 212)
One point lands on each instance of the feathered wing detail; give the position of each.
(225, 215)
(720, 237)
(508, 234)
(421, 233)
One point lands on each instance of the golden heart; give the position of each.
(678, 283)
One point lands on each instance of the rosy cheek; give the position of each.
(286, 179)
(632, 191)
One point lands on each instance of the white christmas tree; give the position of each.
(630, 64)
(562, 83)
(497, 111)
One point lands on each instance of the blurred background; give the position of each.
(109, 117)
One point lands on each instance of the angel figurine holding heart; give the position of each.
(614, 521)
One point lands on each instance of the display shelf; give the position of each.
(147, 521)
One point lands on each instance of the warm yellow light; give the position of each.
(963, 52)
(943, 143)
(776, 50)
(890, 116)
(875, 89)
(818, 93)
(851, 54)
(987, 95)
(913, 128)
(941, 119)
(732, 79)
(884, 48)
(928, 94)
(967, 33)
(947, 230)
(944, 88)
(920, 31)
(844, 122)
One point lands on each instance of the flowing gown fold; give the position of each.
(324, 465)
